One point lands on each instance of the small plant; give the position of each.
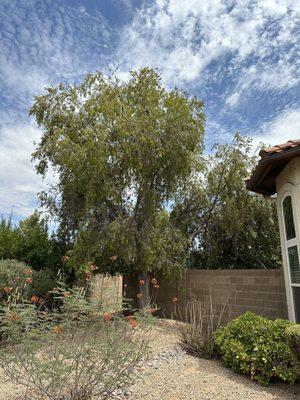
(197, 334)
(254, 345)
(80, 350)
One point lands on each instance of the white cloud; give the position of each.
(284, 127)
(41, 43)
(183, 37)
(19, 182)
(233, 99)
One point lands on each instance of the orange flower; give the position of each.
(139, 295)
(174, 299)
(141, 282)
(7, 289)
(15, 317)
(29, 280)
(57, 329)
(107, 317)
(34, 299)
(154, 281)
(28, 271)
(133, 323)
(113, 258)
(88, 276)
(93, 267)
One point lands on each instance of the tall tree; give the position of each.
(121, 152)
(230, 227)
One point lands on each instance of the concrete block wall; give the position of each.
(259, 291)
(109, 289)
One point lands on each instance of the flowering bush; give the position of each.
(13, 276)
(80, 350)
(254, 345)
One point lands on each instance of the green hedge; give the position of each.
(292, 334)
(257, 346)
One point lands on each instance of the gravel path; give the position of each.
(171, 374)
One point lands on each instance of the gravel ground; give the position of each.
(171, 374)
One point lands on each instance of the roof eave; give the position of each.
(264, 166)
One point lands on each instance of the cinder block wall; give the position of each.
(109, 289)
(260, 291)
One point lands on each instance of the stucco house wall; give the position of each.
(288, 183)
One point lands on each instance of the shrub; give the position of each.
(197, 335)
(254, 345)
(292, 334)
(43, 282)
(14, 275)
(81, 351)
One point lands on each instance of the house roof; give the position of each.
(272, 161)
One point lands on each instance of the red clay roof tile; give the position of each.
(268, 151)
(273, 160)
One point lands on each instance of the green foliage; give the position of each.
(256, 346)
(81, 351)
(30, 242)
(43, 282)
(12, 272)
(127, 152)
(36, 246)
(10, 239)
(121, 151)
(292, 334)
(17, 276)
(231, 227)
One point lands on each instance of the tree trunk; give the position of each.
(144, 298)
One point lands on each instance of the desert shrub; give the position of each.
(254, 345)
(197, 334)
(14, 276)
(292, 334)
(80, 351)
(43, 282)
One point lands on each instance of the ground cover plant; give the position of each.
(256, 346)
(79, 350)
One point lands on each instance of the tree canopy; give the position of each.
(230, 226)
(29, 241)
(122, 152)
(134, 191)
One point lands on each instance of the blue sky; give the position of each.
(241, 57)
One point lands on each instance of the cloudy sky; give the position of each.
(241, 57)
